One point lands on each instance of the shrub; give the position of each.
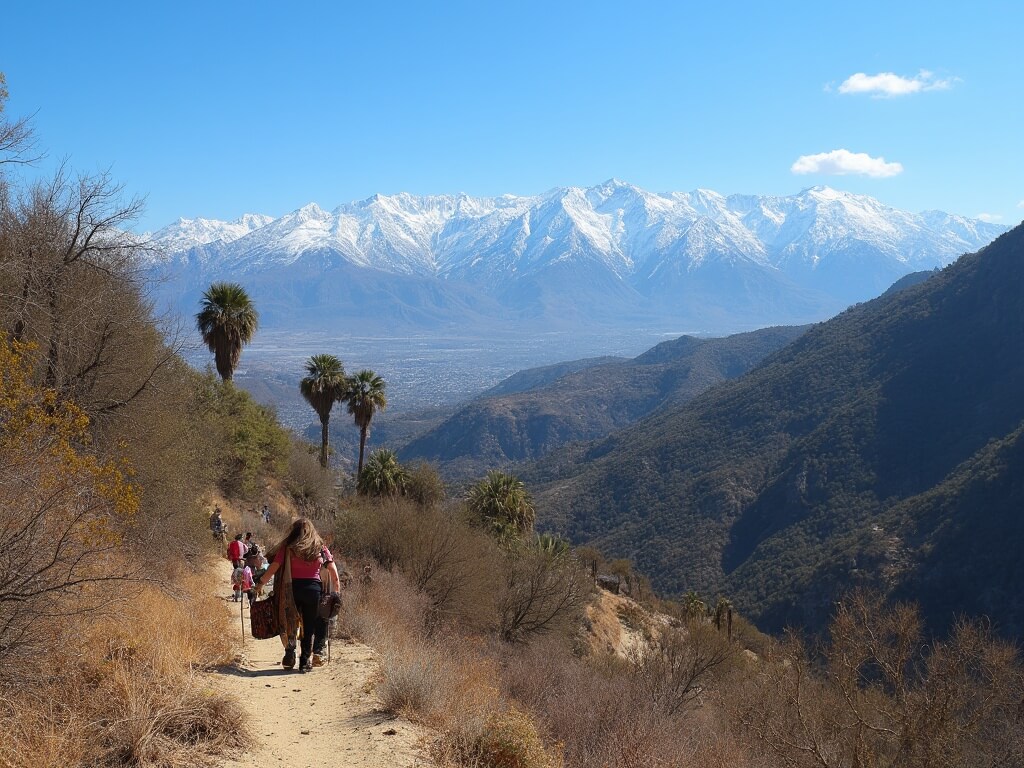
(453, 564)
(540, 593)
(501, 505)
(889, 698)
(424, 485)
(594, 707)
(309, 484)
(510, 740)
(62, 510)
(129, 690)
(247, 436)
(681, 663)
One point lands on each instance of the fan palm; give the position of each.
(365, 396)
(501, 502)
(227, 320)
(323, 385)
(383, 475)
(552, 545)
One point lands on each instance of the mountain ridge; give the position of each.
(612, 253)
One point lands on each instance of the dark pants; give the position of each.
(314, 629)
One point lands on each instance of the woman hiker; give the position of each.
(295, 567)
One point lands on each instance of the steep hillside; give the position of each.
(534, 378)
(590, 403)
(771, 487)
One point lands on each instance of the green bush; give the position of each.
(250, 443)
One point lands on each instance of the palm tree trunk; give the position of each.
(323, 442)
(362, 446)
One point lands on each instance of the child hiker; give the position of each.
(242, 581)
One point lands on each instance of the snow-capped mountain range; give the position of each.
(613, 252)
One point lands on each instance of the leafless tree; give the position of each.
(681, 662)
(882, 696)
(540, 593)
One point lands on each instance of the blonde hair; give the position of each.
(302, 539)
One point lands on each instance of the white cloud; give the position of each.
(888, 84)
(1020, 204)
(989, 218)
(842, 162)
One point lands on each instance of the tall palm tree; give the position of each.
(502, 503)
(365, 396)
(324, 384)
(227, 319)
(383, 475)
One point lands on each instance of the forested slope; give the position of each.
(770, 487)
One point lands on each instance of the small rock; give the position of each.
(390, 732)
(304, 733)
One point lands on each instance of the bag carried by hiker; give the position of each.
(329, 606)
(263, 619)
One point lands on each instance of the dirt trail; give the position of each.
(324, 717)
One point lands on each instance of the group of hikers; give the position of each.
(248, 563)
(306, 586)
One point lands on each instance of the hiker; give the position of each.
(236, 551)
(242, 582)
(258, 564)
(216, 522)
(266, 514)
(250, 544)
(296, 561)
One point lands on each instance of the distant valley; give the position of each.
(538, 411)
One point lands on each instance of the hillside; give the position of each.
(770, 488)
(534, 378)
(589, 403)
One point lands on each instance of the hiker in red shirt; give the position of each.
(236, 551)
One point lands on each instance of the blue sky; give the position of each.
(219, 108)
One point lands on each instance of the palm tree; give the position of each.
(501, 503)
(693, 606)
(365, 396)
(227, 319)
(324, 384)
(383, 475)
(552, 544)
(723, 609)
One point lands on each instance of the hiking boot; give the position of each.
(289, 658)
(318, 660)
(305, 665)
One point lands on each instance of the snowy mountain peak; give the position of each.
(311, 211)
(610, 233)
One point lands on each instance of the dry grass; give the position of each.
(449, 683)
(128, 691)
